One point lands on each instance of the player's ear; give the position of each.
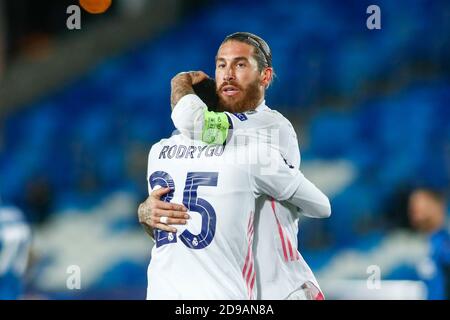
(266, 76)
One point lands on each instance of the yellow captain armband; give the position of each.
(215, 127)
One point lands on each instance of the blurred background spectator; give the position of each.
(15, 244)
(79, 110)
(427, 214)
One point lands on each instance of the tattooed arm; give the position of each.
(182, 83)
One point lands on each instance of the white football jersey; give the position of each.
(281, 270)
(211, 257)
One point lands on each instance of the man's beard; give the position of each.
(249, 101)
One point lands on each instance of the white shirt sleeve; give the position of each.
(308, 198)
(289, 146)
(312, 202)
(188, 116)
(271, 175)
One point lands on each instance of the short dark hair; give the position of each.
(262, 52)
(206, 90)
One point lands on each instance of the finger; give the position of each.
(172, 221)
(169, 221)
(158, 193)
(198, 76)
(202, 76)
(158, 204)
(164, 227)
(169, 214)
(157, 225)
(172, 216)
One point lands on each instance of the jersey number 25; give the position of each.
(192, 203)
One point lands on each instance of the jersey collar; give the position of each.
(262, 106)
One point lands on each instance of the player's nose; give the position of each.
(229, 75)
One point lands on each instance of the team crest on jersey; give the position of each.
(240, 116)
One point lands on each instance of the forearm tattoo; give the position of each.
(145, 218)
(181, 86)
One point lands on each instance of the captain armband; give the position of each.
(215, 127)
